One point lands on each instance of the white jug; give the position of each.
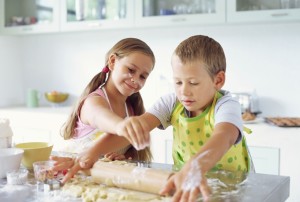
(5, 134)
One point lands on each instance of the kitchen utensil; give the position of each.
(34, 151)
(249, 102)
(45, 176)
(10, 159)
(137, 178)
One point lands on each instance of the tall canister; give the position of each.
(5, 133)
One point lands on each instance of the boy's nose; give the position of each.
(185, 89)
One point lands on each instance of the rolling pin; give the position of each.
(136, 178)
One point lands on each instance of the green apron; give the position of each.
(190, 134)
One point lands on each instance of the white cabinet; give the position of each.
(28, 17)
(263, 10)
(286, 140)
(82, 15)
(44, 16)
(37, 124)
(266, 160)
(151, 13)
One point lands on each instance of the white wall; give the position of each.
(11, 81)
(264, 57)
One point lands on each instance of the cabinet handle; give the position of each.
(95, 24)
(178, 19)
(279, 14)
(27, 28)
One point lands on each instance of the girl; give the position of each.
(111, 96)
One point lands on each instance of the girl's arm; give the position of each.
(97, 113)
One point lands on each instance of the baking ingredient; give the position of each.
(17, 177)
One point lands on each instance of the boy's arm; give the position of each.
(223, 137)
(190, 180)
(137, 129)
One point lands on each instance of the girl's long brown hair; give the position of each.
(122, 49)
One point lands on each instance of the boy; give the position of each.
(207, 123)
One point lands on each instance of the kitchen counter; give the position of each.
(286, 140)
(37, 124)
(238, 187)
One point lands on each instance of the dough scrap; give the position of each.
(89, 191)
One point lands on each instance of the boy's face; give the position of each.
(194, 88)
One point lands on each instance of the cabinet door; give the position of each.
(263, 10)
(30, 16)
(266, 160)
(177, 12)
(80, 15)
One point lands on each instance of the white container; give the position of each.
(5, 134)
(10, 159)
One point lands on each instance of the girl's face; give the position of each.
(194, 88)
(130, 73)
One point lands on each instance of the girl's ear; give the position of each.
(111, 61)
(219, 80)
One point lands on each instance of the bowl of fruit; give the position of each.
(56, 97)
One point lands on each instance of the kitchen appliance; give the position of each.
(249, 102)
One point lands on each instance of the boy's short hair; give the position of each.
(204, 49)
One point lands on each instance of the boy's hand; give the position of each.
(135, 130)
(187, 185)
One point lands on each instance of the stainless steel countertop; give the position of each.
(225, 186)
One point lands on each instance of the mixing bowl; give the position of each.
(10, 159)
(34, 151)
(56, 97)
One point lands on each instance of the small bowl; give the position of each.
(56, 97)
(10, 159)
(34, 151)
(43, 170)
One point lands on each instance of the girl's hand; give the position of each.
(136, 131)
(66, 164)
(114, 156)
(187, 184)
(62, 163)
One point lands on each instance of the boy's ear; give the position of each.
(219, 80)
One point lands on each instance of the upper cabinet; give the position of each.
(262, 10)
(29, 16)
(41, 16)
(178, 12)
(96, 14)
